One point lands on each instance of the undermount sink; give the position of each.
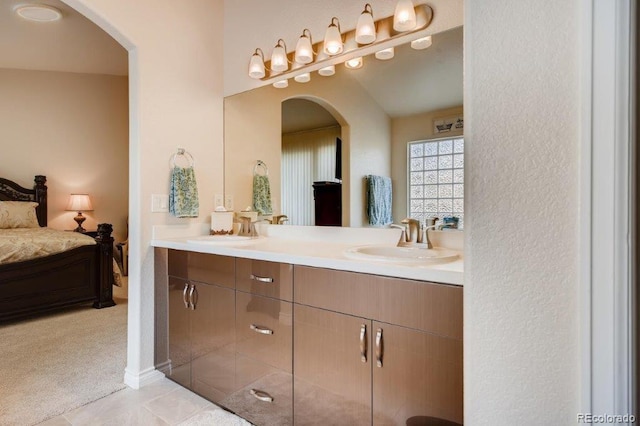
(408, 254)
(224, 240)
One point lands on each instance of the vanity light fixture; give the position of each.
(304, 49)
(38, 12)
(303, 78)
(421, 43)
(405, 17)
(368, 37)
(366, 28)
(333, 39)
(385, 54)
(354, 63)
(279, 61)
(256, 65)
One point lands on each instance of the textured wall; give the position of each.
(522, 106)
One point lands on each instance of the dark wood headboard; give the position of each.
(11, 191)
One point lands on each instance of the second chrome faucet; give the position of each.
(415, 233)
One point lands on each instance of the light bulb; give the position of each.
(354, 63)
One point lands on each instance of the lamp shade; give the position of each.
(366, 28)
(404, 18)
(333, 40)
(79, 203)
(256, 65)
(304, 51)
(279, 61)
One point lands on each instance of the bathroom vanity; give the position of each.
(312, 340)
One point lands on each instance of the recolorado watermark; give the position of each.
(606, 418)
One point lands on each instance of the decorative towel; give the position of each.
(379, 200)
(261, 195)
(183, 195)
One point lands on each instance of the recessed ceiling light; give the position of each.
(38, 13)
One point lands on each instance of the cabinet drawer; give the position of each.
(434, 308)
(206, 268)
(264, 330)
(265, 394)
(270, 279)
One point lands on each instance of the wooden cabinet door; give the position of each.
(418, 379)
(213, 341)
(179, 332)
(332, 372)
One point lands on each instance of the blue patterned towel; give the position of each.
(183, 195)
(379, 196)
(261, 195)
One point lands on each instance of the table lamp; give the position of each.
(79, 203)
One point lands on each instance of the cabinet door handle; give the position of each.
(379, 348)
(363, 343)
(261, 330)
(193, 300)
(262, 396)
(184, 295)
(261, 279)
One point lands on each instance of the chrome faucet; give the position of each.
(413, 234)
(279, 219)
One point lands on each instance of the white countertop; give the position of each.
(320, 247)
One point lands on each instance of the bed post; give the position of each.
(105, 267)
(41, 198)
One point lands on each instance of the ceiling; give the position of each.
(71, 44)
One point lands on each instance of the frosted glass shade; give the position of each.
(421, 43)
(281, 84)
(256, 66)
(304, 51)
(404, 19)
(327, 71)
(333, 40)
(354, 63)
(279, 62)
(366, 29)
(79, 203)
(303, 78)
(385, 54)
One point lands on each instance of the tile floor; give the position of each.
(160, 403)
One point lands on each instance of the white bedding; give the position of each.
(20, 244)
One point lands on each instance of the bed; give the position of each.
(78, 275)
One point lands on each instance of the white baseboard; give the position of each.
(143, 378)
(164, 367)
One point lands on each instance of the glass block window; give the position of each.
(436, 179)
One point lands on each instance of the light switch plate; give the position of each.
(218, 200)
(159, 203)
(228, 202)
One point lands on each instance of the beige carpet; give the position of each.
(55, 363)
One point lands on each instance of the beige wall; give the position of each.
(407, 129)
(72, 128)
(175, 84)
(253, 122)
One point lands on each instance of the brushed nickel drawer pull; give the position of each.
(363, 343)
(261, 279)
(261, 330)
(184, 295)
(193, 300)
(379, 348)
(262, 396)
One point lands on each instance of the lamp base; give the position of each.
(79, 219)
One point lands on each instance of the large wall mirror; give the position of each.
(374, 111)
